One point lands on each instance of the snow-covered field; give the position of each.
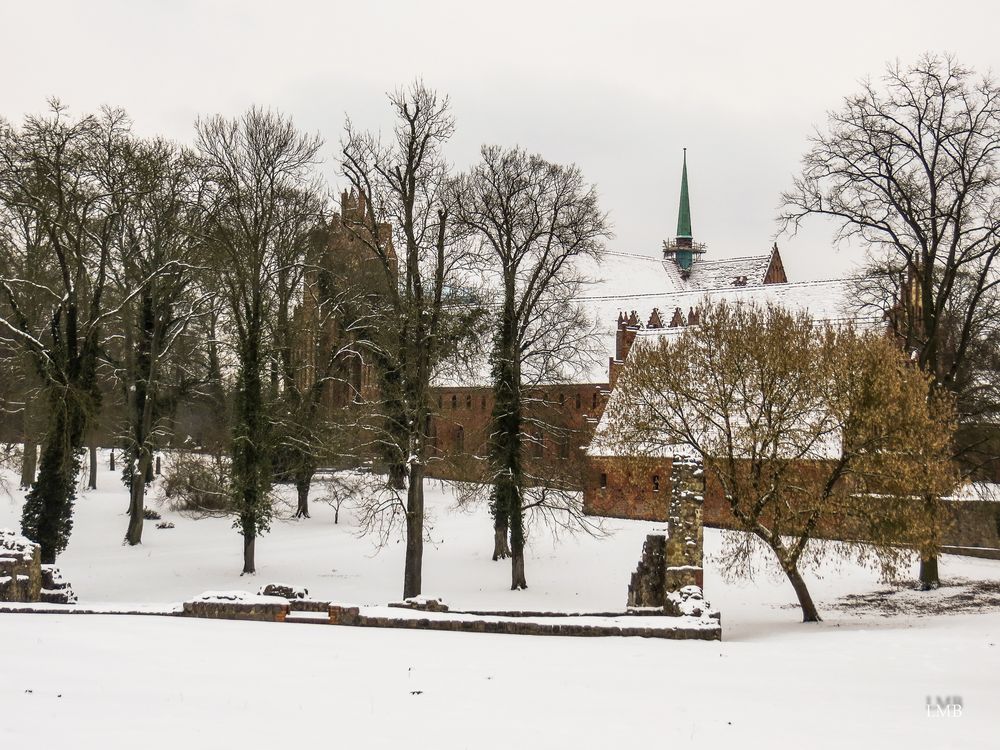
(858, 679)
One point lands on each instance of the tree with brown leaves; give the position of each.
(804, 429)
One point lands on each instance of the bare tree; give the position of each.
(531, 219)
(909, 168)
(403, 181)
(263, 202)
(802, 428)
(61, 192)
(156, 254)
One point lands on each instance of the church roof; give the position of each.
(719, 273)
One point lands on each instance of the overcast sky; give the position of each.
(617, 87)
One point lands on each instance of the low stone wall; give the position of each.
(679, 628)
(238, 606)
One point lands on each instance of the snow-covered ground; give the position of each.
(861, 678)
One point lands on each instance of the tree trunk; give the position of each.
(137, 499)
(501, 549)
(414, 532)
(29, 460)
(111, 460)
(92, 484)
(929, 573)
(133, 535)
(517, 580)
(809, 612)
(248, 550)
(302, 491)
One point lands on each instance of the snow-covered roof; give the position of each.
(717, 273)
(825, 300)
(624, 281)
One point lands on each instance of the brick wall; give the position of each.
(460, 426)
(638, 489)
(629, 494)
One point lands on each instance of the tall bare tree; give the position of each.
(531, 219)
(154, 263)
(803, 428)
(404, 179)
(909, 167)
(62, 187)
(263, 203)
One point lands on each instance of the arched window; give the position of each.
(604, 481)
(454, 401)
(460, 439)
(562, 400)
(656, 482)
(593, 403)
(468, 400)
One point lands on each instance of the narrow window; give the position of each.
(594, 401)
(656, 482)
(460, 439)
(454, 401)
(564, 448)
(562, 400)
(468, 400)
(482, 404)
(439, 401)
(604, 481)
(578, 401)
(539, 445)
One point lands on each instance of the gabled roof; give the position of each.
(719, 273)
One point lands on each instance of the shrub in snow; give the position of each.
(150, 515)
(164, 525)
(197, 484)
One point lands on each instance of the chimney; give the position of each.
(625, 336)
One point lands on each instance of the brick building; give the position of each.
(667, 289)
(640, 489)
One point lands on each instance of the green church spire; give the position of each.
(684, 211)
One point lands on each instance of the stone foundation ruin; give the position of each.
(23, 578)
(670, 573)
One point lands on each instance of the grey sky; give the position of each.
(617, 87)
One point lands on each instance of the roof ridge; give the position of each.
(633, 255)
(736, 257)
(677, 292)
